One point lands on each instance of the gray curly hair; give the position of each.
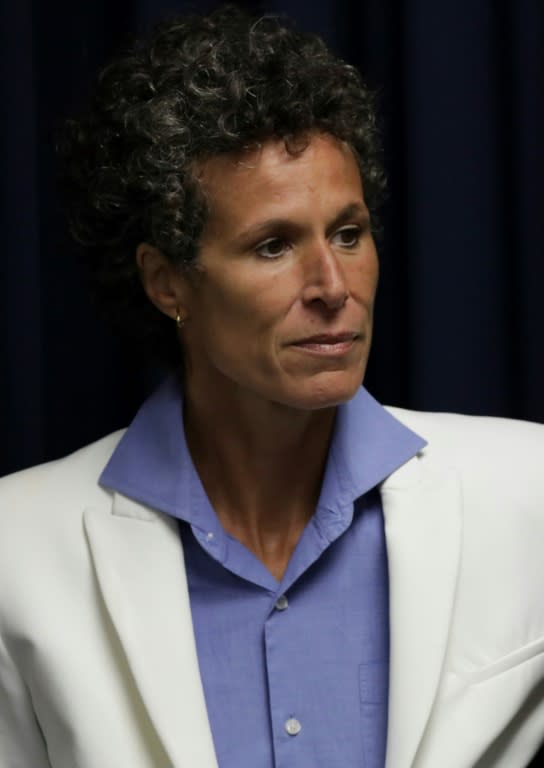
(198, 87)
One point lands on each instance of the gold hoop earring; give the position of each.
(179, 320)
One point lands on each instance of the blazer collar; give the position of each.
(422, 509)
(138, 561)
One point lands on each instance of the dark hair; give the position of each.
(198, 87)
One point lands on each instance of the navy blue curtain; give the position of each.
(459, 323)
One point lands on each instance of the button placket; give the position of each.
(293, 726)
(282, 603)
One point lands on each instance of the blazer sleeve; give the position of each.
(21, 741)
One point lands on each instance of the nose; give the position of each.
(325, 280)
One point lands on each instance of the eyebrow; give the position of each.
(348, 214)
(345, 215)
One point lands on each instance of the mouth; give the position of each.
(328, 344)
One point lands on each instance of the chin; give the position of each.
(327, 393)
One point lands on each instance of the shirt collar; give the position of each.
(368, 445)
(152, 463)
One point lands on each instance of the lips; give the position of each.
(328, 338)
(327, 345)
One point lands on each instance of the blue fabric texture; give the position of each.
(296, 672)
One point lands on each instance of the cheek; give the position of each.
(363, 280)
(240, 330)
(247, 310)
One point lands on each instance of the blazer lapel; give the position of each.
(138, 559)
(422, 510)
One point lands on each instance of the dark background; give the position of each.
(460, 322)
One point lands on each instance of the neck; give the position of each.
(261, 468)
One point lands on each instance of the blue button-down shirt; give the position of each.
(296, 672)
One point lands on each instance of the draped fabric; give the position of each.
(459, 321)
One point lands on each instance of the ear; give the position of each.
(162, 281)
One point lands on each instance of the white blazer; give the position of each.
(98, 667)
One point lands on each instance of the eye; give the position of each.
(347, 237)
(272, 248)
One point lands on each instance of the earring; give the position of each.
(179, 320)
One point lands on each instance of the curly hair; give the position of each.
(200, 86)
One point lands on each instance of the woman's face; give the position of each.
(282, 308)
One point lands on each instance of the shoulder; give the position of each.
(480, 444)
(41, 525)
(458, 424)
(57, 484)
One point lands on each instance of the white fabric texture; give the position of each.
(98, 667)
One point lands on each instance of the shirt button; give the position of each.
(281, 604)
(292, 726)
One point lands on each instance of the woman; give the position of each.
(267, 568)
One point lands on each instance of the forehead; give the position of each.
(269, 179)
